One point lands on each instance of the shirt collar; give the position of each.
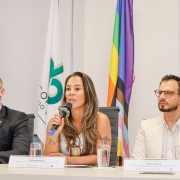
(177, 124)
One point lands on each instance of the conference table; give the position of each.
(117, 173)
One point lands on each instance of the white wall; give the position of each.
(93, 25)
(23, 30)
(23, 27)
(156, 27)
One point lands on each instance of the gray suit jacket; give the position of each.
(149, 139)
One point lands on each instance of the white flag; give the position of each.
(51, 85)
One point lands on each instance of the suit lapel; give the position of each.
(2, 115)
(159, 136)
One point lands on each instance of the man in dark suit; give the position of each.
(14, 133)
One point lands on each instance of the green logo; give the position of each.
(55, 82)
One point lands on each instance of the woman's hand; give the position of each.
(57, 121)
(53, 141)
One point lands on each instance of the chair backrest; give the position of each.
(31, 125)
(112, 114)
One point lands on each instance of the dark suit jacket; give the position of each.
(14, 134)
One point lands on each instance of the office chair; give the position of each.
(112, 114)
(31, 125)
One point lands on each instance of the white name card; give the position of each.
(153, 165)
(37, 161)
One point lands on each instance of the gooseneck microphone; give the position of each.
(63, 111)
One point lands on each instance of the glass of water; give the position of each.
(35, 149)
(177, 152)
(103, 155)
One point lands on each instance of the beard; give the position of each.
(170, 109)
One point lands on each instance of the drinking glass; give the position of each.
(177, 152)
(35, 149)
(103, 155)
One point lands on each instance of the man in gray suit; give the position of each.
(14, 133)
(157, 138)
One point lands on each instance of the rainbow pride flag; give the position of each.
(122, 70)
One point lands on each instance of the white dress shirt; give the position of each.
(170, 140)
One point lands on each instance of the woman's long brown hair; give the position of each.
(89, 131)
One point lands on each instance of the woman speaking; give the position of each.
(77, 136)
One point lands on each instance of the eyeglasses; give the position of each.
(167, 93)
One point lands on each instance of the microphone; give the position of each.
(63, 111)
